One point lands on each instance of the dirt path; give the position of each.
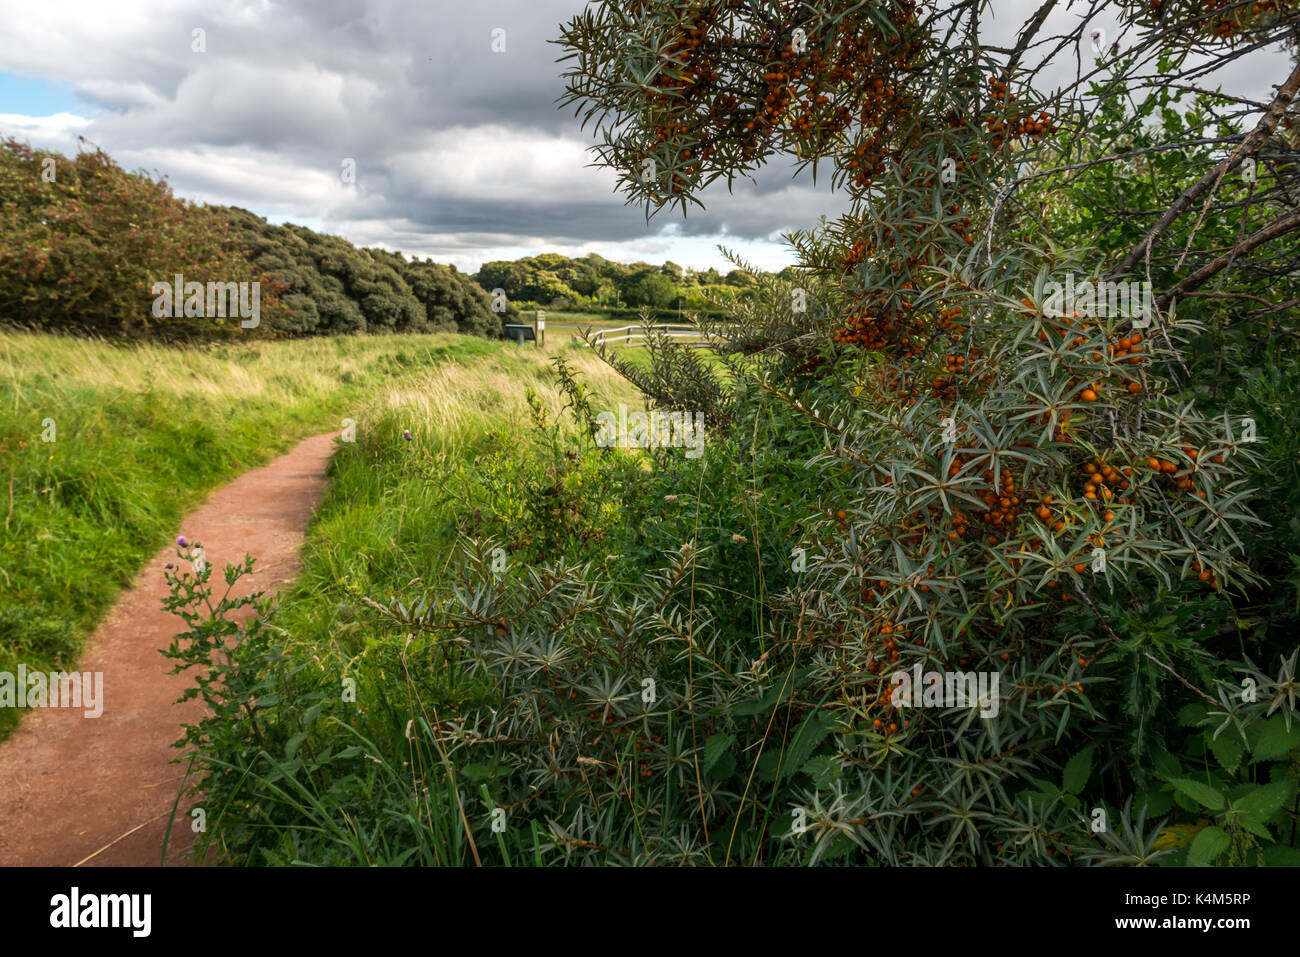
(99, 791)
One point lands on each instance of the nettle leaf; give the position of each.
(1077, 771)
(1209, 843)
(1227, 749)
(1264, 801)
(812, 732)
(769, 764)
(1156, 801)
(1044, 792)
(1041, 798)
(824, 770)
(1190, 715)
(1254, 827)
(1201, 793)
(1274, 739)
(1166, 765)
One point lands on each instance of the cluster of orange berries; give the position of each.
(775, 101)
(1104, 482)
(1002, 502)
(1045, 515)
(813, 122)
(1182, 478)
(1127, 350)
(880, 320)
(856, 255)
(962, 227)
(885, 321)
(950, 321)
(880, 326)
(867, 61)
(1023, 127)
(873, 330)
(960, 372)
(815, 89)
(1205, 574)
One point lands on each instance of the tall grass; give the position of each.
(390, 514)
(391, 521)
(140, 434)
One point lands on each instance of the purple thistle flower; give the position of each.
(180, 540)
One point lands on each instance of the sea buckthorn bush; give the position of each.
(918, 457)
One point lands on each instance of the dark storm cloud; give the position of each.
(305, 85)
(450, 139)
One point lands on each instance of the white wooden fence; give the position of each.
(636, 335)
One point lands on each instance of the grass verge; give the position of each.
(104, 447)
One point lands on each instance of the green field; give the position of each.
(138, 434)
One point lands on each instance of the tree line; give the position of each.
(596, 282)
(84, 243)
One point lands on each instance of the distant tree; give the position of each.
(650, 288)
(335, 287)
(606, 293)
(535, 279)
(452, 301)
(83, 241)
(550, 276)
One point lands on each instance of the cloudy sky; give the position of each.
(460, 152)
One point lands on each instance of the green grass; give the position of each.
(391, 527)
(141, 433)
(390, 515)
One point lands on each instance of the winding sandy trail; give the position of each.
(99, 791)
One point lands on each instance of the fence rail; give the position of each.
(637, 336)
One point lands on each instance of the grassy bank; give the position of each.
(104, 447)
(396, 518)
(395, 509)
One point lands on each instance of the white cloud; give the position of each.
(57, 132)
(461, 154)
